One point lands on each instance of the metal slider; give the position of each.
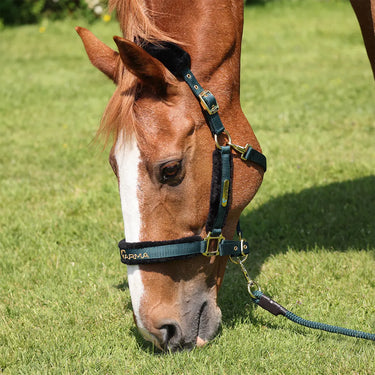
(208, 240)
(208, 102)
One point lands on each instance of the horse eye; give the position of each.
(170, 173)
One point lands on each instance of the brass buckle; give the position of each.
(210, 106)
(209, 238)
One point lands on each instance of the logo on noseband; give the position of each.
(133, 256)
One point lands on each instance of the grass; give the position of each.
(64, 303)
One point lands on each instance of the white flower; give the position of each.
(98, 9)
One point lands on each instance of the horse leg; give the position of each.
(365, 12)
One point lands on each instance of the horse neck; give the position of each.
(210, 31)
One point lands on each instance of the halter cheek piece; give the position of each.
(178, 62)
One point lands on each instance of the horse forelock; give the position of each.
(136, 21)
(136, 25)
(119, 114)
(119, 120)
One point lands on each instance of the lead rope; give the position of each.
(276, 309)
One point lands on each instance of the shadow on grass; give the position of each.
(339, 216)
(122, 286)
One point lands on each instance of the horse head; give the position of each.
(163, 159)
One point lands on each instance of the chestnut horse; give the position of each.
(162, 154)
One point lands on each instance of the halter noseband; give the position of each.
(178, 62)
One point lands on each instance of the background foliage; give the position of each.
(16, 12)
(308, 92)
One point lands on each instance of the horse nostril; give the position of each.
(171, 335)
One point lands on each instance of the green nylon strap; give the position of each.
(256, 157)
(210, 106)
(166, 252)
(226, 182)
(214, 121)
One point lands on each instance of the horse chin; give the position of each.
(200, 342)
(209, 323)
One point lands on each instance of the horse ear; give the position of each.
(101, 56)
(150, 71)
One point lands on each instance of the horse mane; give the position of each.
(136, 20)
(136, 25)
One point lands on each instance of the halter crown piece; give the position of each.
(178, 62)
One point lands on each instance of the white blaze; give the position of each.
(127, 158)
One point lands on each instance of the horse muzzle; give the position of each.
(175, 303)
(196, 326)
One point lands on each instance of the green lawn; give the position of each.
(308, 91)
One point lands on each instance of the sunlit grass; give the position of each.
(64, 303)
